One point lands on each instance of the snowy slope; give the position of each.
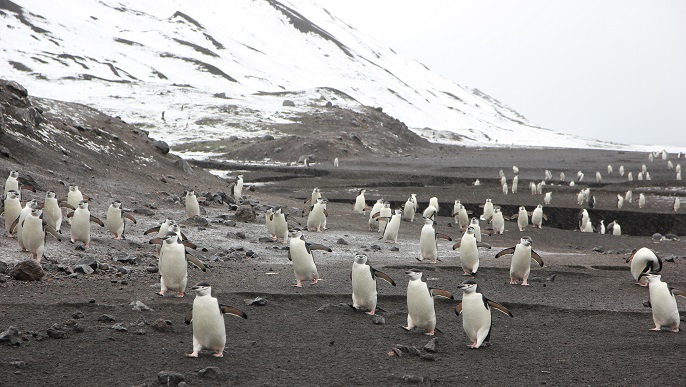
(189, 72)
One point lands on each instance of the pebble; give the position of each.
(152, 269)
(412, 379)
(77, 315)
(19, 364)
(170, 378)
(341, 241)
(210, 373)
(120, 327)
(432, 345)
(106, 318)
(378, 319)
(55, 333)
(256, 301)
(162, 325)
(139, 306)
(11, 336)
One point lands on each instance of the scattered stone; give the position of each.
(18, 364)
(432, 345)
(11, 336)
(141, 322)
(78, 328)
(408, 349)
(124, 270)
(55, 332)
(162, 325)
(656, 237)
(170, 378)
(341, 241)
(210, 373)
(245, 214)
(104, 267)
(265, 240)
(256, 301)
(106, 318)
(87, 260)
(394, 248)
(378, 319)
(184, 165)
(29, 270)
(85, 269)
(144, 211)
(375, 247)
(599, 249)
(120, 327)
(288, 102)
(139, 306)
(152, 269)
(240, 235)
(324, 308)
(161, 146)
(428, 357)
(77, 315)
(3, 267)
(412, 379)
(670, 258)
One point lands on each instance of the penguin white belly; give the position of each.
(316, 220)
(477, 232)
(20, 226)
(663, 304)
(469, 255)
(115, 222)
(521, 263)
(488, 211)
(476, 319)
(281, 228)
(74, 198)
(33, 236)
(12, 211)
(364, 287)
(303, 262)
(391, 230)
(498, 224)
(384, 213)
(192, 207)
(359, 204)
(52, 214)
(639, 262)
(173, 268)
(522, 220)
(420, 306)
(537, 218)
(270, 225)
(80, 226)
(427, 244)
(209, 331)
(409, 211)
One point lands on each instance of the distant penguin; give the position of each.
(360, 203)
(548, 174)
(677, 204)
(601, 227)
(562, 176)
(420, 303)
(620, 201)
(433, 201)
(629, 196)
(643, 260)
(537, 217)
(385, 214)
(74, 196)
(335, 162)
(413, 197)
(430, 212)
(476, 182)
(461, 216)
(663, 303)
(316, 219)
(173, 264)
(374, 215)
(52, 212)
(34, 233)
(316, 194)
(630, 176)
(583, 219)
(644, 168)
(621, 170)
(428, 237)
(533, 188)
(515, 184)
(207, 317)
(12, 182)
(392, 227)
(409, 210)
(19, 227)
(498, 221)
(522, 218)
(269, 220)
(641, 200)
(609, 169)
(592, 202)
(116, 216)
(522, 254)
(515, 170)
(488, 210)
(300, 253)
(469, 251)
(80, 224)
(598, 177)
(363, 277)
(579, 176)
(477, 227)
(505, 189)
(588, 227)
(670, 165)
(580, 198)
(503, 180)
(280, 225)
(614, 228)
(237, 189)
(191, 204)
(12, 210)
(475, 310)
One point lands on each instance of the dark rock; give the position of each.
(375, 247)
(256, 301)
(85, 269)
(152, 269)
(106, 318)
(124, 270)
(184, 165)
(394, 248)
(210, 373)
(3, 267)
(144, 211)
(428, 357)
(265, 240)
(268, 137)
(341, 241)
(288, 102)
(408, 349)
(230, 223)
(18, 364)
(139, 306)
(432, 345)
(32, 117)
(599, 249)
(251, 254)
(120, 327)
(29, 270)
(77, 315)
(197, 221)
(126, 258)
(328, 104)
(88, 260)
(412, 379)
(240, 235)
(245, 213)
(324, 308)
(11, 336)
(162, 325)
(55, 332)
(378, 319)
(161, 146)
(170, 378)
(78, 328)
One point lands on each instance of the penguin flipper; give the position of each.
(383, 276)
(97, 221)
(189, 317)
(151, 230)
(156, 241)
(290, 259)
(457, 245)
(458, 308)
(483, 244)
(441, 293)
(49, 229)
(376, 215)
(225, 309)
(443, 236)
(189, 244)
(14, 225)
(631, 257)
(678, 292)
(509, 250)
(499, 307)
(316, 246)
(659, 261)
(66, 205)
(194, 260)
(326, 213)
(129, 217)
(537, 258)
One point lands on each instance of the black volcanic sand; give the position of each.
(588, 326)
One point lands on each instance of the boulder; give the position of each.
(29, 270)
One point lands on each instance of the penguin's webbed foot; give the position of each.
(219, 353)
(430, 333)
(181, 295)
(193, 354)
(406, 328)
(371, 312)
(524, 283)
(160, 293)
(513, 281)
(657, 329)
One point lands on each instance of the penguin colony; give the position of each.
(31, 224)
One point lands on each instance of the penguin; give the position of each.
(475, 309)
(300, 253)
(385, 214)
(498, 221)
(601, 227)
(430, 212)
(207, 317)
(392, 227)
(505, 189)
(269, 219)
(663, 303)
(630, 176)
(488, 210)
(629, 196)
(420, 303)
(34, 233)
(562, 176)
(12, 182)
(433, 201)
(74, 196)
(469, 252)
(644, 260)
(476, 182)
(647, 176)
(503, 180)
(360, 204)
(522, 218)
(598, 177)
(373, 220)
(677, 204)
(515, 170)
(173, 264)
(614, 228)
(413, 197)
(52, 212)
(477, 228)
(316, 194)
(237, 189)
(80, 224)
(280, 225)
(591, 201)
(580, 198)
(579, 176)
(621, 170)
(515, 184)
(116, 216)
(538, 216)
(192, 205)
(522, 254)
(363, 277)
(316, 219)
(641, 200)
(428, 238)
(161, 231)
(501, 174)
(584, 219)
(609, 169)
(461, 215)
(588, 227)
(670, 165)
(12, 210)
(19, 226)
(532, 187)
(335, 162)
(549, 174)
(409, 210)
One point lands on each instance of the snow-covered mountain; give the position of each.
(189, 71)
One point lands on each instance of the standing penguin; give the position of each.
(115, 219)
(498, 221)
(475, 309)
(237, 189)
(413, 197)
(80, 224)
(52, 212)
(477, 228)
(488, 210)
(74, 196)
(522, 218)
(663, 303)
(469, 251)
(360, 203)
(409, 210)
(515, 184)
(430, 212)
(428, 237)
(461, 215)
(522, 254)
(547, 198)
(641, 200)
(161, 230)
(584, 219)
(363, 277)
(644, 260)
(384, 216)
(280, 225)
(614, 228)
(316, 194)
(12, 182)
(34, 233)
(420, 303)
(300, 253)
(316, 219)
(18, 228)
(601, 227)
(433, 201)
(269, 218)
(373, 217)
(537, 217)
(192, 205)
(11, 209)
(173, 264)
(677, 204)
(390, 231)
(207, 317)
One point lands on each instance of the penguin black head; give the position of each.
(414, 274)
(469, 286)
(361, 258)
(203, 288)
(526, 240)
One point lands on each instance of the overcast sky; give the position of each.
(613, 70)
